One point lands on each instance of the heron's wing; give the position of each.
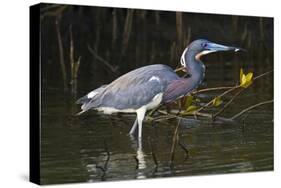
(142, 75)
(133, 97)
(178, 88)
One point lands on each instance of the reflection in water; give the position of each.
(140, 157)
(141, 163)
(100, 166)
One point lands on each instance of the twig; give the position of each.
(184, 148)
(221, 95)
(101, 168)
(215, 117)
(153, 154)
(228, 103)
(203, 114)
(212, 89)
(230, 90)
(250, 108)
(71, 52)
(74, 66)
(137, 161)
(57, 12)
(179, 29)
(114, 28)
(108, 155)
(171, 116)
(77, 67)
(104, 167)
(94, 53)
(261, 75)
(60, 45)
(49, 7)
(238, 93)
(175, 140)
(127, 30)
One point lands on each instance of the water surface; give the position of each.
(75, 149)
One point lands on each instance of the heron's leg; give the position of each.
(140, 117)
(133, 129)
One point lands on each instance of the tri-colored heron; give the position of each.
(147, 87)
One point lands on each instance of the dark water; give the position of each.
(96, 147)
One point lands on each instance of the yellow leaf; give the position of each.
(246, 80)
(241, 75)
(249, 76)
(217, 101)
(243, 80)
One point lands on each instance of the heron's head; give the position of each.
(201, 47)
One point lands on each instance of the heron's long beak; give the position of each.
(213, 47)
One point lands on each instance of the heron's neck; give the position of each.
(194, 66)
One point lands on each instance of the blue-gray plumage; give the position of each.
(147, 87)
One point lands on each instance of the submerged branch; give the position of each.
(153, 155)
(104, 167)
(185, 149)
(175, 140)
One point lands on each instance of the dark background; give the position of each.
(127, 39)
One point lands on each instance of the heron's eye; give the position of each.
(204, 45)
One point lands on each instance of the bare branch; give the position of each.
(212, 89)
(175, 140)
(221, 95)
(57, 12)
(264, 74)
(104, 167)
(250, 108)
(71, 52)
(230, 90)
(106, 63)
(127, 30)
(153, 154)
(228, 103)
(61, 54)
(185, 149)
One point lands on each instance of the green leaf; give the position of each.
(188, 102)
(217, 101)
(191, 109)
(197, 100)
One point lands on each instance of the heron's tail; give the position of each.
(79, 113)
(90, 101)
(83, 100)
